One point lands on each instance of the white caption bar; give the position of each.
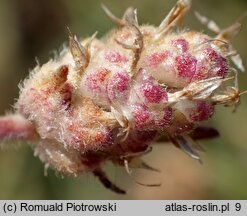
(123, 207)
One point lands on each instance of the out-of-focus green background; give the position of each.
(35, 28)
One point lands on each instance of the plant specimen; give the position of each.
(110, 99)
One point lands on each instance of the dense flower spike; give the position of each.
(111, 100)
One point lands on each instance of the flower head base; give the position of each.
(110, 101)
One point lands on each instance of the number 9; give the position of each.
(238, 206)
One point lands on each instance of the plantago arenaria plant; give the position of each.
(110, 99)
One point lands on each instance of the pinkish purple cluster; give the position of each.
(143, 100)
(186, 58)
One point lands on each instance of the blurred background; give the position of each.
(32, 29)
